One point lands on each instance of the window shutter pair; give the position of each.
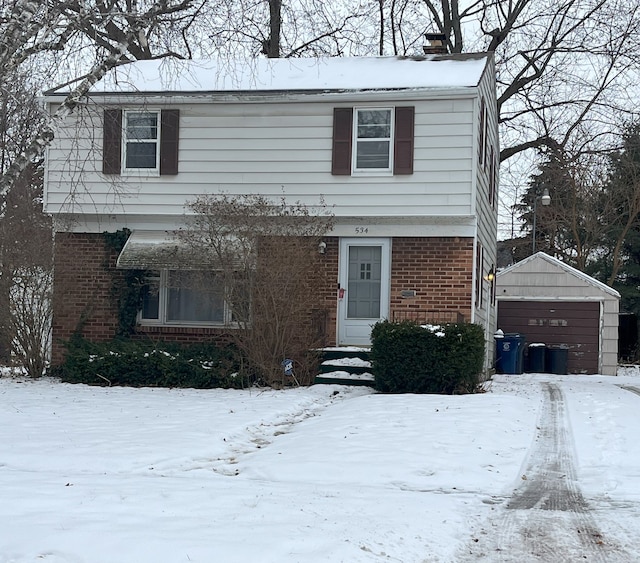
(112, 141)
(343, 138)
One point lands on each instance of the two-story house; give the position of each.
(404, 151)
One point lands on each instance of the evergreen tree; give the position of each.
(619, 263)
(551, 234)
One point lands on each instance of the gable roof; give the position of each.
(561, 265)
(339, 74)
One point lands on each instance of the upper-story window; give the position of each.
(373, 135)
(373, 141)
(141, 140)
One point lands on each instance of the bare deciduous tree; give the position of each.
(25, 234)
(86, 39)
(105, 33)
(560, 64)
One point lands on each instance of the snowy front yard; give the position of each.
(327, 473)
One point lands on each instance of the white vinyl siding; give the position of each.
(485, 311)
(272, 149)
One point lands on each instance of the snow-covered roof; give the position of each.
(560, 264)
(277, 75)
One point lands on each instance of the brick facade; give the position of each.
(82, 290)
(328, 296)
(83, 297)
(438, 270)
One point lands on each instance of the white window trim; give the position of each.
(354, 144)
(140, 171)
(163, 297)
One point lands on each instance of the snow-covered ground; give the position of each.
(321, 474)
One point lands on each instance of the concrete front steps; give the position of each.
(345, 366)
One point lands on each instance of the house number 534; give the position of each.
(362, 230)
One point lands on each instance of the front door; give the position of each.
(364, 289)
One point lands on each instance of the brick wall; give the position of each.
(83, 297)
(82, 289)
(328, 295)
(439, 270)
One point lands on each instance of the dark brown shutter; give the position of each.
(492, 176)
(403, 144)
(111, 141)
(169, 137)
(481, 142)
(479, 271)
(342, 132)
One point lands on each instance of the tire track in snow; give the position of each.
(630, 388)
(547, 518)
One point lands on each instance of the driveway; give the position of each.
(550, 516)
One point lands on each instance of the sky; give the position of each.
(325, 473)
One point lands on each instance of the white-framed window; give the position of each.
(373, 140)
(141, 141)
(184, 297)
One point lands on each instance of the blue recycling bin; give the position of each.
(510, 353)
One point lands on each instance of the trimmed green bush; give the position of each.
(409, 358)
(149, 364)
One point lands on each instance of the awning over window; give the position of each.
(162, 250)
(152, 250)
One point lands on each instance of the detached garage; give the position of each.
(550, 302)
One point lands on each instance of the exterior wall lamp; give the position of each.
(545, 199)
(322, 247)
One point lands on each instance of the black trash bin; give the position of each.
(510, 353)
(557, 359)
(536, 356)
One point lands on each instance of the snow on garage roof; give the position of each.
(273, 75)
(563, 266)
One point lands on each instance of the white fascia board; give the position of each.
(274, 97)
(424, 226)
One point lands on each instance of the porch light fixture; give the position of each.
(322, 247)
(491, 274)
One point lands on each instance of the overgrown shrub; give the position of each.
(148, 364)
(409, 358)
(270, 272)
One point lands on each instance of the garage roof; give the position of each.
(565, 267)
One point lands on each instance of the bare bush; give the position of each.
(266, 262)
(31, 318)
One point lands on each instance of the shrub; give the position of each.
(148, 364)
(269, 269)
(409, 358)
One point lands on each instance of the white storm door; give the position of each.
(364, 288)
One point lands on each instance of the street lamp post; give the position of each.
(545, 198)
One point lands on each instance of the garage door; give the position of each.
(574, 324)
